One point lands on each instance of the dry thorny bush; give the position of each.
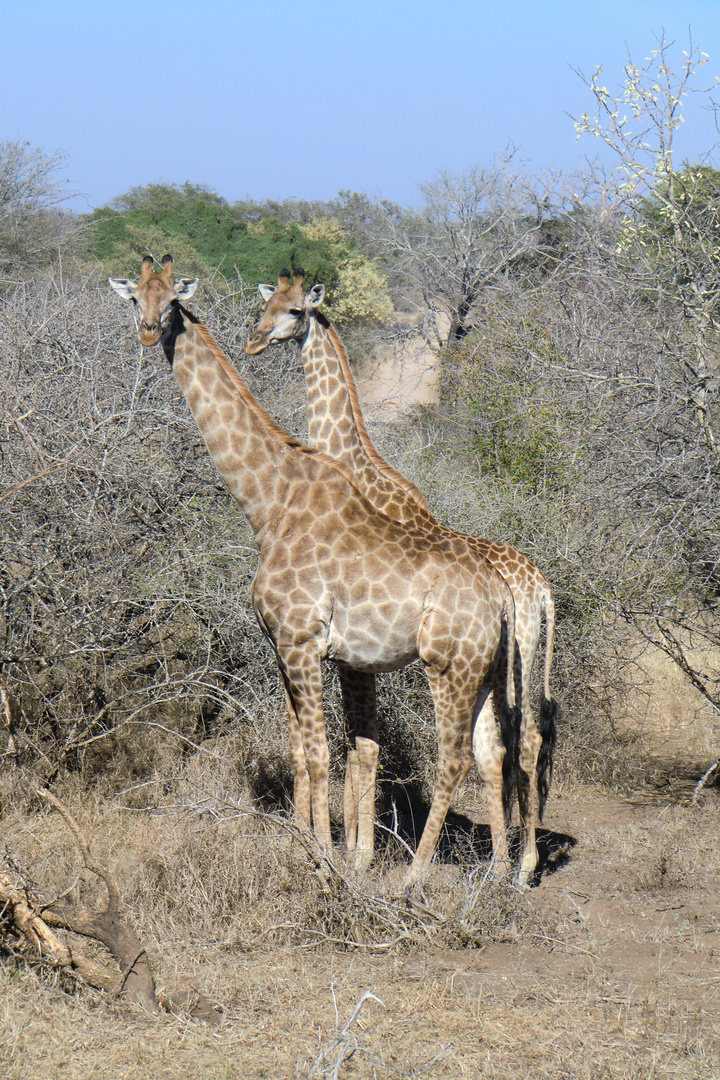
(125, 566)
(124, 581)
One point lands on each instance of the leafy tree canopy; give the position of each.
(206, 235)
(691, 198)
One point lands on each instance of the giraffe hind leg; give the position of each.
(360, 712)
(455, 710)
(301, 776)
(491, 755)
(530, 743)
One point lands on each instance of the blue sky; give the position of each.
(303, 99)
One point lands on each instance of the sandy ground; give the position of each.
(399, 379)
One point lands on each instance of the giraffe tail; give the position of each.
(549, 712)
(510, 712)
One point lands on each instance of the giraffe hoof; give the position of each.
(413, 877)
(526, 871)
(501, 870)
(362, 859)
(323, 875)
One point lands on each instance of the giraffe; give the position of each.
(336, 426)
(338, 580)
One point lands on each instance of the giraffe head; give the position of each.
(287, 311)
(154, 294)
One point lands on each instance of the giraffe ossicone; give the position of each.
(336, 426)
(337, 580)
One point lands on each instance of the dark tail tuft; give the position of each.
(549, 715)
(510, 733)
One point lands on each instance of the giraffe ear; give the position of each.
(316, 296)
(266, 291)
(185, 287)
(124, 287)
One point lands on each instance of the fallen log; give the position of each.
(36, 922)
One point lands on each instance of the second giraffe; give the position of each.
(336, 426)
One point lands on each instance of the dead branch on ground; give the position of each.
(135, 982)
(712, 771)
(36, 923)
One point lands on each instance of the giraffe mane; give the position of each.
(368, 445)
(242, 389)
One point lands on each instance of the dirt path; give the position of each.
(400, 377)
(625, 981)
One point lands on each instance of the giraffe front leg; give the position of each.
(367, 750)
(303, 682)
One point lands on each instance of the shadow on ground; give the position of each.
(463, 841)
(402, 813)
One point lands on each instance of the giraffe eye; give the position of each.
(294, 311)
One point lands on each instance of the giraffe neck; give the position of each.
(258, 461)
(336, 425)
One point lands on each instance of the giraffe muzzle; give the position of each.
(256, 344)
(149, 334)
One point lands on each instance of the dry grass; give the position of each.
(200, 860)
(228, 901)
(284, 1011)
